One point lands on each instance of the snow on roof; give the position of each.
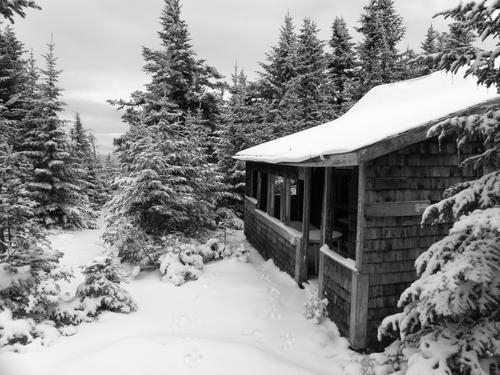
(385, 111)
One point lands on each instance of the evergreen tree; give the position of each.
(459, 36)
(86, 164)
(341, 66)
(430, 43)
(55, 185)
(240, 128)
(310, 83)
(429, 46)
(281, 65)
(382, 29)
(450, 318)
(169, 182)
(10, 8)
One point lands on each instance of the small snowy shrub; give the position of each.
(16, 333)
(28, 280)
(133, 245)
(176, 272)
(100, 292)
(184, 259)
(315, 308)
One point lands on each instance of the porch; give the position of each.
(291, 213)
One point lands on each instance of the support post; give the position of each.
(282, 200)
(358, 321)
(259, 190)
(301, 256)
(321, 275)
(326, 212)
(270, 194)
(287, 201)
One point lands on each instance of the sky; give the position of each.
(98, 42)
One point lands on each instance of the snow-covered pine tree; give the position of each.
(86, 164)
(382, 29)
(310, 85)
(278, 72)
(430, 46)
(240, 128)
(169, 184)
(60, 200)
(10, 8)
(451, 316)
(341, 65)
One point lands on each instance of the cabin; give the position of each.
(359, 185)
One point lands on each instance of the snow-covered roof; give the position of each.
(384, 112)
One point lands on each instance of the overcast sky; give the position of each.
(98, 42)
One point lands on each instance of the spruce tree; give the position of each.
(430, 44)
(60, 201)
(341, 66)
(169, 183)
(310, 83)
(239, 129)
(86, 164)
(281, 65)
(450, 318)
(10, 8)
(382, 29)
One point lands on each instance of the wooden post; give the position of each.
(251, 182)
(360, 223)
(287, 202)
(301, 256)
(259, 189)
(282, 200)
(270, 194)
(326, 212)
(358, 321)
(321, 273)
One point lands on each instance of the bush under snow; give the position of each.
(185, 261)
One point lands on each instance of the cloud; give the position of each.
(99, 42)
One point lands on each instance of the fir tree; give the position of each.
(86, 164)
(382, 29)
(309, 84)
(452, 308)
(341, 66)
(459, 36)
(281, 65)
(169, 182)
(430, 43)
(55, 186)
(10, 8)
(240, 129)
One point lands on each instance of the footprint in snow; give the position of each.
(193, 357)
(288, 341)
(274, 314)
(274, 292)
(265, 277)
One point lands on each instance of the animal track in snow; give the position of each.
(193, 357)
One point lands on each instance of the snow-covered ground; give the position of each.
(238, 318)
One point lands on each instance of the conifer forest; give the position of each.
(206, 243)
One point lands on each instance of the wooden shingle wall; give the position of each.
(399, 186)
(271, 238)
(337, 286)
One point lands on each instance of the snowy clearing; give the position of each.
(244, 318)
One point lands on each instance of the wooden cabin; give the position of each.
(360, 184)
